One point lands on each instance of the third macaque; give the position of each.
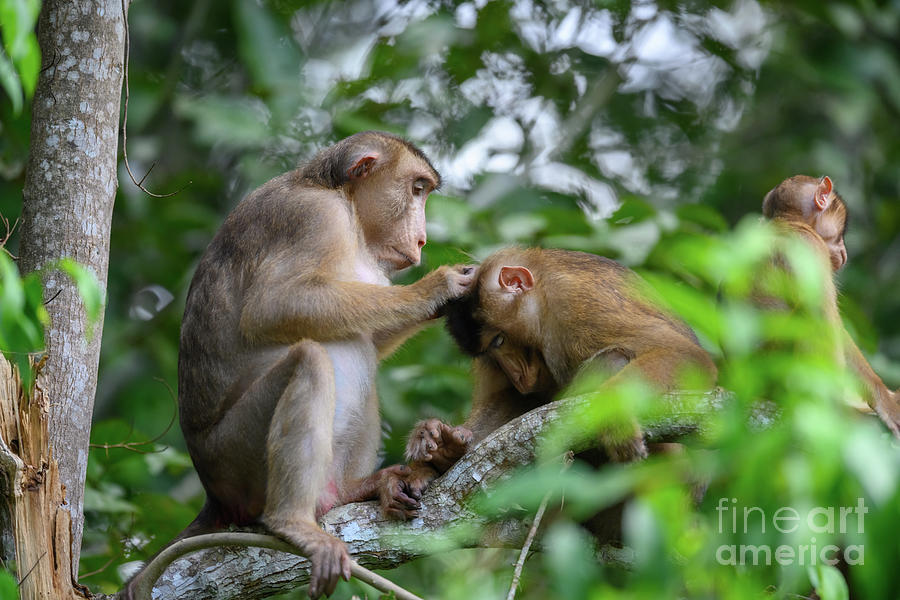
(534, 318)
(812, 210)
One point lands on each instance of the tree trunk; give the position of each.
(35, 521)
(69, 193)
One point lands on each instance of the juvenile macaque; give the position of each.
(288, 313)
(532, 320)
(812, 210)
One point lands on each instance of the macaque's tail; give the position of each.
(207, 520)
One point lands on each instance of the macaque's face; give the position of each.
(816, 203)
(831, 229)
(523, 366)
(390, 204)
(828, 216)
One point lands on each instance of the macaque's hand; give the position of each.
(399, 499)
(434, 442)
(420, 476)
(329, 561)
(449, 283)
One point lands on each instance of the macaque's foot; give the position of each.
(625, 450)
(329, 561)
(433, 441)
(399, 499)
(328, 556)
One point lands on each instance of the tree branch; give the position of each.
(225, 572)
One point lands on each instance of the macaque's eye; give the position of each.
(497, 341)
(419, 187)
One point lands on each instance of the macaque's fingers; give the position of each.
(396, 503)
(462, 435)
(459, 279)
(423, 440)
(456, 439)
(345, 567)
(329, 562)
(421, 475)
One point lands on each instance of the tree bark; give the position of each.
(227, 572)
(69, 192)
(36, 526)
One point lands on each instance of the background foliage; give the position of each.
(644, 131)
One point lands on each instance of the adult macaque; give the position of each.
(533, 319)
(812, 210)
(288, 313)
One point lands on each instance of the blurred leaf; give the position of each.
(570, 560)
(875, 464)
(107, 500)
(266, 46)
(22, 318)
(88, 289)
(829, 582)
(9, 588)
(702, 215)
(233, 122)
(10, 82)
(633, 210)
(17, 22)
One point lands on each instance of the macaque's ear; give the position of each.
(823, 193)
(516, 279)
(362, 167)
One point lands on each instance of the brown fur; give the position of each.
(583, 311)
(288, 312)
(791, 207)
(794, 201)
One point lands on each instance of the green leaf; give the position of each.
(232, 122)
(17, 21)
(633, 210)
(828, 581)
(702, 215)
(107, 501)
(11, 83)
(88, 288)
(9, 590)
(22, 319)
(266, 46)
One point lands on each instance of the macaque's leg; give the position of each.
(389, 485)
(882, 400)
(300, 470)
(624, 442)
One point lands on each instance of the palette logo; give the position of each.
(821, 519)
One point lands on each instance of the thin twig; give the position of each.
(139, 184)
(143, 585)
(523, 554)
(52, 298)
(9, 232)
(36, 563)
(101, 569)
(136, 446)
